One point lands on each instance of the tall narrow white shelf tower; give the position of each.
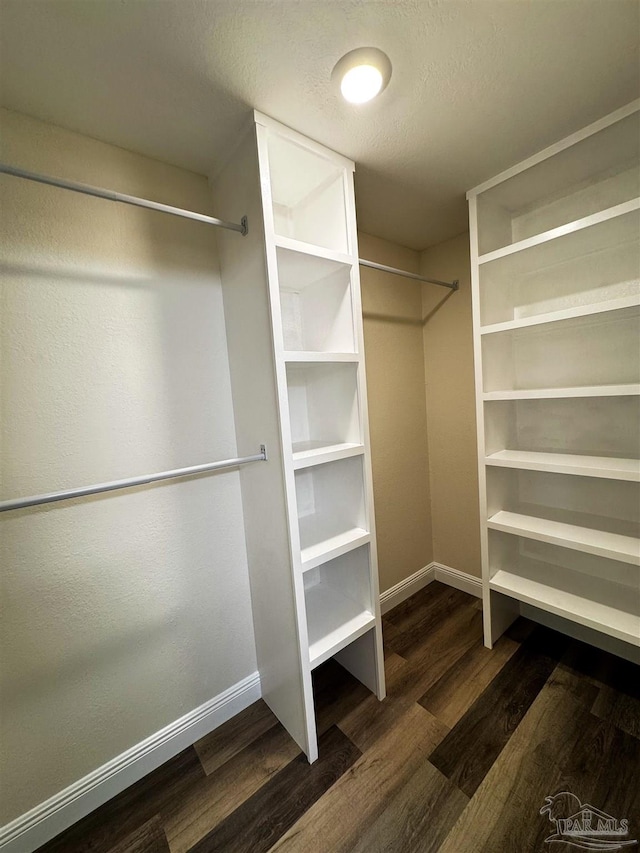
(555, 250)
(294, 328)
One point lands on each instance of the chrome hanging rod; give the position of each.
(451, 284)
(99, 192)
(52, 497)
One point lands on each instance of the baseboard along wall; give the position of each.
(44, 822)
(393, 596)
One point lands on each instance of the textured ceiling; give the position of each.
(477, 85)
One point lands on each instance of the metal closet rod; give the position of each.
(53, 497)
(99, 192)
(453, 285)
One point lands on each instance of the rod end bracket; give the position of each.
(263, 450)
(245, 226)
(455, 284)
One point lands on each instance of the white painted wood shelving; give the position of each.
(294, 325)
(555, 250)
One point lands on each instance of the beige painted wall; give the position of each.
(392, 311)
(122, 612)
(450, 404)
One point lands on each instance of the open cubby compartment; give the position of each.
(590, 514)
(583, 269)
(595, 591)
(316, 304)
(597, 173)
(586, 426)
(600, 349)
(331, 508)
(308, 193)
(338, 603)
(323, 405)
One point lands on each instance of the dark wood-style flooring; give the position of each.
(459, 757)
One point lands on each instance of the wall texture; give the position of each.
(450, 403)
(122, 612)
(392, 311)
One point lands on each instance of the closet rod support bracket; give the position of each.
(263, 451)
(245, 226)
(455, 284)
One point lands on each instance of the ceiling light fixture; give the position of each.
(362, 74)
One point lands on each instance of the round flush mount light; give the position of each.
(362, 74)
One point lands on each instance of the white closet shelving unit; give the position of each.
(555, 249)
(294, 325)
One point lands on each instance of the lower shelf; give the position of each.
(333, 621)
(590, 541)
(306, 453)
(597, 603)
(608, 467)
(334, 546)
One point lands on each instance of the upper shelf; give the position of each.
(588, 173)
(607, 467)
(309, 357)
(591, 266)
(563, 314)
(602, 543)
(631, 390)
(308, 453)
(590, 349)
(315, 303)
(308, 191)
(560, 231)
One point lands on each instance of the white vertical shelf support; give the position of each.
(555, 287)
(294, 327)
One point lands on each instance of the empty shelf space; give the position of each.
(594, 602)
(306, 453)
(581, 271)
(591, 427)
(333, 621)
(315, 303)
(594, 170)
(325, 357)
(561, 231)
(594, 350)
(600, 542)
(311, 249)
(308, 194)
(565, 463)
(332, 547)
(626, 390)
(564, 314)
(323, 405)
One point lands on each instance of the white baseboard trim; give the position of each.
(393, 596)
(47, 820)
(50, 818)
(460, 580)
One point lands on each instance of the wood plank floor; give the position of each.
(459, 758)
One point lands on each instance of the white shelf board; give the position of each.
(611, 468)
(311, 249)
(333, 621)
(335, 546)
(604, 607)
(330, 357)
(614, 546)
(557, 147)
(632, 390)
(564, 314)
(307, 453)
(562, 230)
